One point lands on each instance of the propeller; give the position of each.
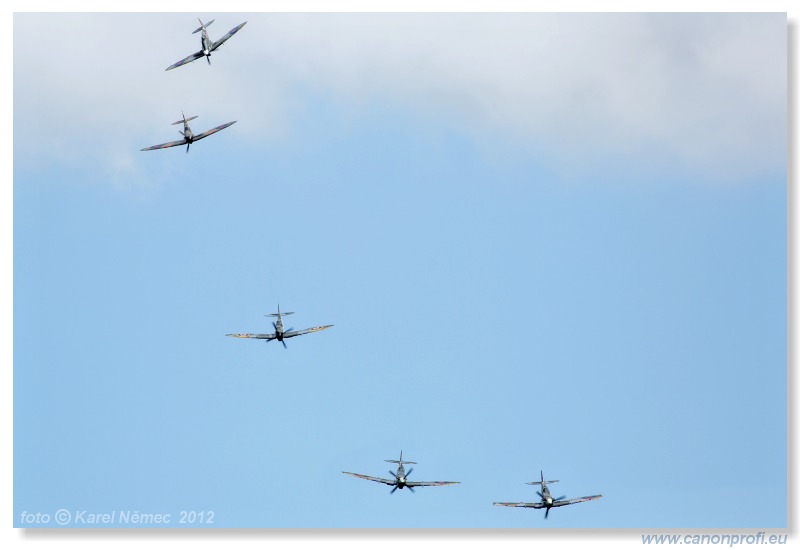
(547, 510)
(393, 490)
(275, 326)
(284, 343)
(394, 475)
(408, 473)
(540, 495)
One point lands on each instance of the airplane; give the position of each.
(207, 45)
(401, 477)
(547, 499)
(188, 136)
(280, 334)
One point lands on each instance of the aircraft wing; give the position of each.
(257, 336)
(430, 483)
(575, 500)
(185, 60)
(536, 505)
(370, 478)
(293, 333)
(230, 33)
(213, 130)
(165, 145)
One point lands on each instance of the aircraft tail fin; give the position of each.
(202, 25)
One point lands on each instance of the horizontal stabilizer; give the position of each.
(202, 26)
(401, 461)
(541, 480)
(187, 120)
(281, 314)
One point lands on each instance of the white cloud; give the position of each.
(705, 91)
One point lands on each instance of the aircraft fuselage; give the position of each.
(401, 477)
(547, 498)
(205, 44)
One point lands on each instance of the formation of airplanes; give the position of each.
(399, 479)
(206, 47)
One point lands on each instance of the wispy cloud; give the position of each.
(703, 91)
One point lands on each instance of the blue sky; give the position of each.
(546, 242)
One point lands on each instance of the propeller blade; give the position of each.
(410, 488)
(284, 343)
(187, 146)
(394, 475)
(275, 326)
(408, 473)
(393, 490)
(562, 497)
(290, 329)
(540, 495)
(546, 513)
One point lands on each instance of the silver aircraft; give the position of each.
(206, 43)
(280, 334)
(547, 499)
(188, 136)
(401, 477)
